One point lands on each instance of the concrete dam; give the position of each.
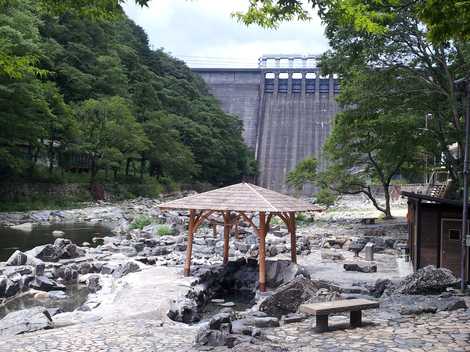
(287, 109)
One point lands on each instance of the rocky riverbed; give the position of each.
(136, 276)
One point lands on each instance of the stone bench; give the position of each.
(323, 309)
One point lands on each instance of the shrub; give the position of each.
(164, 230)
(140, 222)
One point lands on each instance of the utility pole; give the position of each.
(463, 254)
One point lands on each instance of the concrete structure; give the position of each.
(286, 107)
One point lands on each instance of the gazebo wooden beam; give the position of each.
(194, 222)
(227, 227)
(262, 251)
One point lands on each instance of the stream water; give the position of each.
(11, 239)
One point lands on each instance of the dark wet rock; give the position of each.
(127, 268)
(427, 280)
(382, 286)
(3, 285)
(13, 286)
(293, 318)
(288, 297)
(360, 267)
(155, 251)
(39, 269)
(221, 318)
(93, 283)
(42, 283)
(184, 310)
(209, 337)
(68, 273)
(266, 322)
(243, 327)
(108, 268)
(85, 268)
(47, 253)
(26, 320)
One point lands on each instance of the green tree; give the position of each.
(373, 137)
(304, 172)
(445, 20)
(109, 133)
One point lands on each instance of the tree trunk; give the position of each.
(128, 164)
(388, 212)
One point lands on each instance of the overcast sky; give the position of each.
(202, 33)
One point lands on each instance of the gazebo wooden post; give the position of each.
(227, 227)
(293, 238)
(189, 248)
(262, 251)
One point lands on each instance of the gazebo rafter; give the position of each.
(234, 202)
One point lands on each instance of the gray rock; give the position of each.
(293, 318)
(208, 337)
(279, 272)
(20, 258)
(13, 286)
(26, 320)
(127, 268)
(427, 280)
(288, 297)
(221, 318)
(43, 283)
(47, 253)
(93, 283)
(184, 310)
(360, 267)
(331, 255)
(266, 322)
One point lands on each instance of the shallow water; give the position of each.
(11, 239)
(76, 296)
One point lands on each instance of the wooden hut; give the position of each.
(254, 204)
(434, 232)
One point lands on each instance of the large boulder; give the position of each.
(47, 253)
(43, 283)
(288, 297)
(127, 268)
(362, 267)
(427, 280)
(20, 258)
(279, 272)
(419, 304)
(184, 310)
(26, 320)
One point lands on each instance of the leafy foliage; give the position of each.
(140, 222)
(445, 20)
(76, 82)
(304, 172)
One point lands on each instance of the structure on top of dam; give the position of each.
(286, 106)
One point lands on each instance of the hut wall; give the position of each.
(430, 236)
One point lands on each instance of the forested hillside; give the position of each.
(95, 99)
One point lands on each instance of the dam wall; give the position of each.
(287, 114)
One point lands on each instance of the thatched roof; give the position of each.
(240, 197)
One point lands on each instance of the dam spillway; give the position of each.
(287, 112)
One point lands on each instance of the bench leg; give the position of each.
(321, 323)
(356, 318)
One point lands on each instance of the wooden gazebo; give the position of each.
(242, 200)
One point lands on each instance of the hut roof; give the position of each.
(240, 197)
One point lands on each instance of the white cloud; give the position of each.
(203, 33)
